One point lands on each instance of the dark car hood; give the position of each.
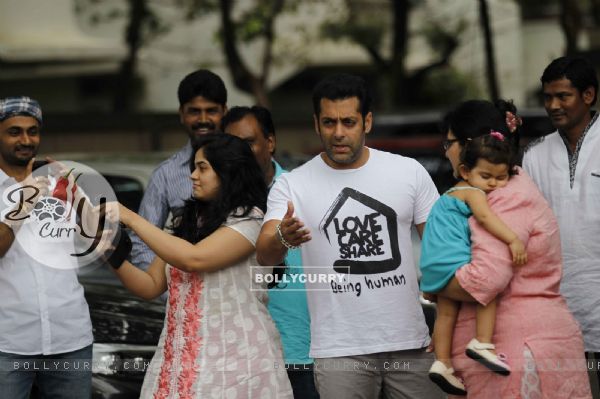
(120, 317)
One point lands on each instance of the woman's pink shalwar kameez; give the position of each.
(531, 313)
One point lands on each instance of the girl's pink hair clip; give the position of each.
(497, 135)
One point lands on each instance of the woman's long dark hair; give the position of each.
(241, 187)
(474, 119)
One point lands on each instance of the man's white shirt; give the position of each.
(360, 222)
(42, 309)
(577, 209)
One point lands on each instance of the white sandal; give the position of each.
(480, 352)
(445, 379)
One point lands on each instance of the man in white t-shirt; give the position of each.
(565, 165)
(351, 210)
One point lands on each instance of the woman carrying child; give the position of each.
(486, 164)
(533, 326)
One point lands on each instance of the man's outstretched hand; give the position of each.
(292, 229)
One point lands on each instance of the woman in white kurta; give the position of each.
(218, 339)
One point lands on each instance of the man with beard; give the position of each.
(350, 209)
(45, 327)
(566, 167)
(202, 104)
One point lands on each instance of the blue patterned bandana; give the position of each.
(20, 106)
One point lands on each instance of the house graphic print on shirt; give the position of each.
(365, 232)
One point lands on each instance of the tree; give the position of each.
(490, 62)
(255, 23)
(139, 15)
(143, 26)
(571, 23)
(574, 16)
(369, 32)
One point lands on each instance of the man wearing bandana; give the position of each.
(45, 326)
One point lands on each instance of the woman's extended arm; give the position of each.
(223, 248)
(145, 284)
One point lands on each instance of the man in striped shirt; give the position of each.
(202, 103)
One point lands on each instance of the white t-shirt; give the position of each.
(578, 217)
(360, 221)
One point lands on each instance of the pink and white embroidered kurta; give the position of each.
(531, 312)
(219, 340)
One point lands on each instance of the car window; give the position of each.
(129, 191)
(439, 169)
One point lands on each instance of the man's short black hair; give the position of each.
(202, 83)
(261, 114)
(340, 87)
(578, 70)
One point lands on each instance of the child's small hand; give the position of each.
(518, 251)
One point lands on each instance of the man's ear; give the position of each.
(181, 114)
(588, 95)
(317, 130)
(368, 122)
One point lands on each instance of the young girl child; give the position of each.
(486, 164)
(218, 339)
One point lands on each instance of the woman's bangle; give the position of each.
(283, 241)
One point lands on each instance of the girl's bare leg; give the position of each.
(454, 291)
(443, 330)
(486, 320)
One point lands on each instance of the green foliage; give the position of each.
(252, 22)
(154, 27)
(368, 36)
(447, 86)
(97, 12)
(440, 36)
(193, 9)
(365, 23)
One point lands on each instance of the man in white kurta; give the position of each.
(565, 165)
